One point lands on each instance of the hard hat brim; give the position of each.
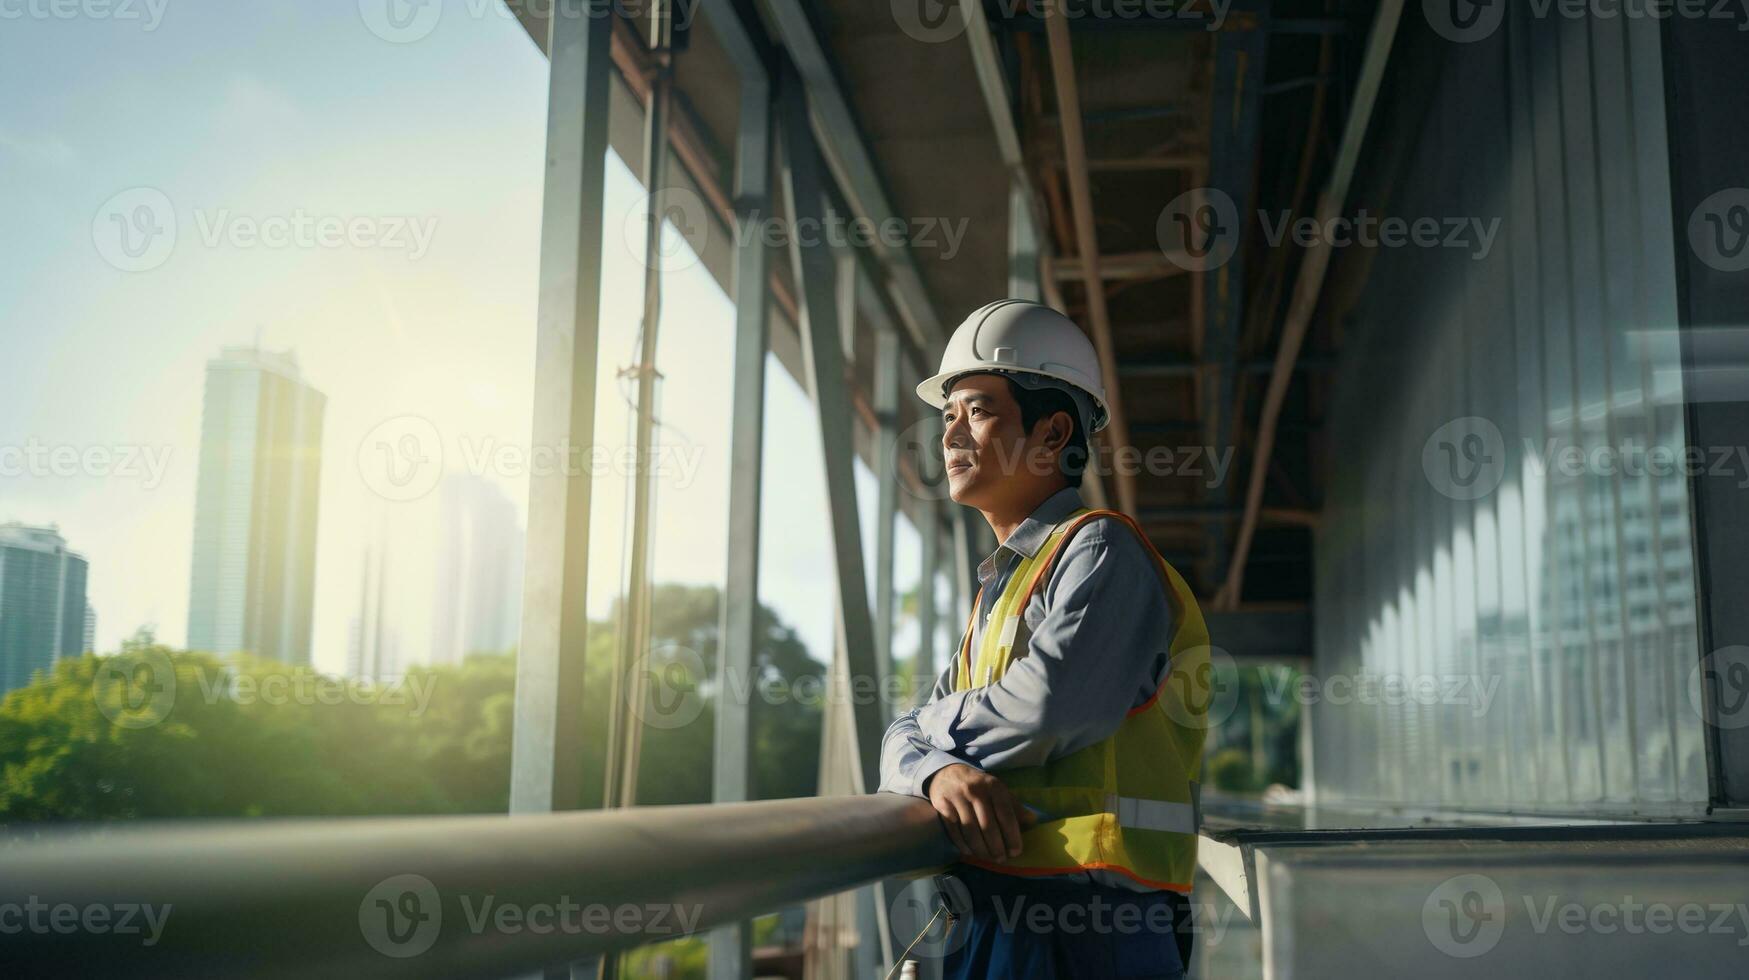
(933, 390)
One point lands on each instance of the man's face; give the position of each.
(983, 442)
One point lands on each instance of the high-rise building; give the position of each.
(253, 576)
(90, 629)
(441, 577)
(42, 602)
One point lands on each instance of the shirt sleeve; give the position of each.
(907, 758)
(1098, 651)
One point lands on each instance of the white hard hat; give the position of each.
(1035, 344)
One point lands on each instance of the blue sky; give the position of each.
(243, 114)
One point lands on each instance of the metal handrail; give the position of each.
(472, 896)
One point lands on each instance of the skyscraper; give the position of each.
(253, 575)
(42, 602)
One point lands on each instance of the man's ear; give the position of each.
(1057, 428)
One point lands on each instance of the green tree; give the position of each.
(239, 737)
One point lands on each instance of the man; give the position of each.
(1059, 748)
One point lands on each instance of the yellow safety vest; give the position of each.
(1127, 804)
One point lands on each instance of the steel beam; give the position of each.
(814, 269)
(1310, 281)
(845, 152)
(1178, 368)
(731, 946)
(1125, 267)
(547, 754)
(1087, 240)
(1233, 150)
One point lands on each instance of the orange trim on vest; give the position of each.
(1076, 869)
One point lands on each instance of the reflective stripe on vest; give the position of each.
(1127, 803)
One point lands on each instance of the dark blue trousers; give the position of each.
(1048, 928)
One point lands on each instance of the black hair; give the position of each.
(1041, 403)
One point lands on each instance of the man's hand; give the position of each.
(983, 818)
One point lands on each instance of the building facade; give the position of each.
(42, 602)
(253, 574)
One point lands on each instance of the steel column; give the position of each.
(1023, 246)
(886, 406)
(731, 945)
(813, 267)
(923, 670)
(547, 755)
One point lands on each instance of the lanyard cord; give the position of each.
(951, 919)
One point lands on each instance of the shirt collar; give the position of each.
(1032, 533)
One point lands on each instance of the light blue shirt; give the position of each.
(1093, 646)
